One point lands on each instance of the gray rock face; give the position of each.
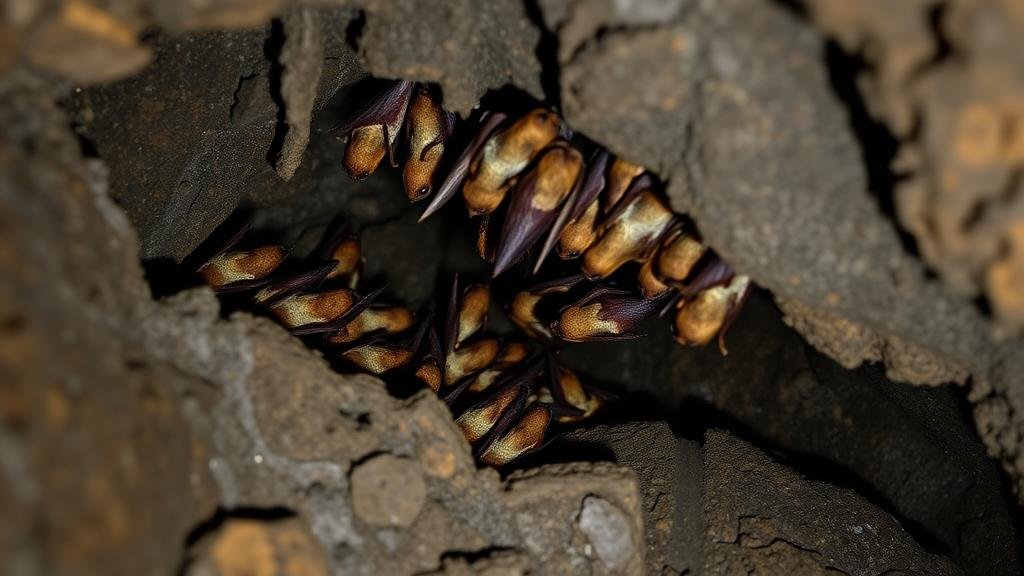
(668, 470)
(473, 46)
(764, 518)
(609, 531)
(758, 147)
(127, 422)
(388, 491)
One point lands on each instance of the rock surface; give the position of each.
(669, 472)
(765, 519)
(159, 413)
(770, 155)
(474, 46)
(766, 132)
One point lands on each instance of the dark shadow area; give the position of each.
(877, 144)
(696, 416)
(547, 55)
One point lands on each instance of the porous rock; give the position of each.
(388, 491)
(768, 156)
(668, 471)
(468, 55)
(548, 504)
(160, 413)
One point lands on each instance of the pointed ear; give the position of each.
(341, 229)
(224, 237)
(460, 169)
(556, 229)
(553, 383)
(558, 285)
(586, 191)
(458, 389)
(425, 331)
(600, 291)
(536, 201)
(384, 109)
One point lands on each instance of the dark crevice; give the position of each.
(365, 458)
(218, 519)
(72, 104)
(354, 30)
(966, 411)
(696, 416)
(86, 145)
(236, 97)
(877, 143)
(547, 55)
(272, 52)
(469, 556)
(943, 47)
(794, 7)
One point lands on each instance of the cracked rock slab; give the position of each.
(764, 518)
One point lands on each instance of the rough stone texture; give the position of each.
(609, 532)
(468, 56)
(795, 157)
(911, 450)
(763, 518)
(288, 429)
(669, 474)
(250, 547)
(576, 23)
(549, 504)
(96, 41)
(760, 150)
(962, 198)
(851, 344)
(226, 127)
(953, 69)
(156, 413)
(664, 99)
(501, 563)
(83, 42)
(91, 426)
(766, 159)
(302, 58)
(389, 491)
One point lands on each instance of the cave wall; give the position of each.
(766, 119)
